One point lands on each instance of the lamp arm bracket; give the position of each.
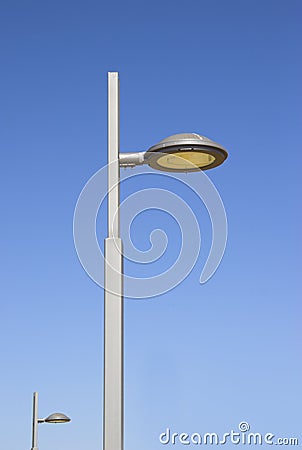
(132, 159)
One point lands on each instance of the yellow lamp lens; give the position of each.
(185, 160)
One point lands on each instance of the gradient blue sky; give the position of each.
(200, 358)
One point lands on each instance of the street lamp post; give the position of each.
(113, 302)
(187, 152)
(53, 418)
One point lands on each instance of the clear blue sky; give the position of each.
(200, 358)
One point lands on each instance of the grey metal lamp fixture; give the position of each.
(53, 418)
(185, 152)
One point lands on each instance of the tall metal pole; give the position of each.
(113, 304)
(35, 422)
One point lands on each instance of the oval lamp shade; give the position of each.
(185, 152)
(57, 418)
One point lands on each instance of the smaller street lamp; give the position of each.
(53, 418)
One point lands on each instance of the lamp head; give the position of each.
(57, 418)
(185, 152)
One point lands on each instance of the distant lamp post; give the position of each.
(53, 418)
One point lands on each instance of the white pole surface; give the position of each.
(35, 422)
(113, 420)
